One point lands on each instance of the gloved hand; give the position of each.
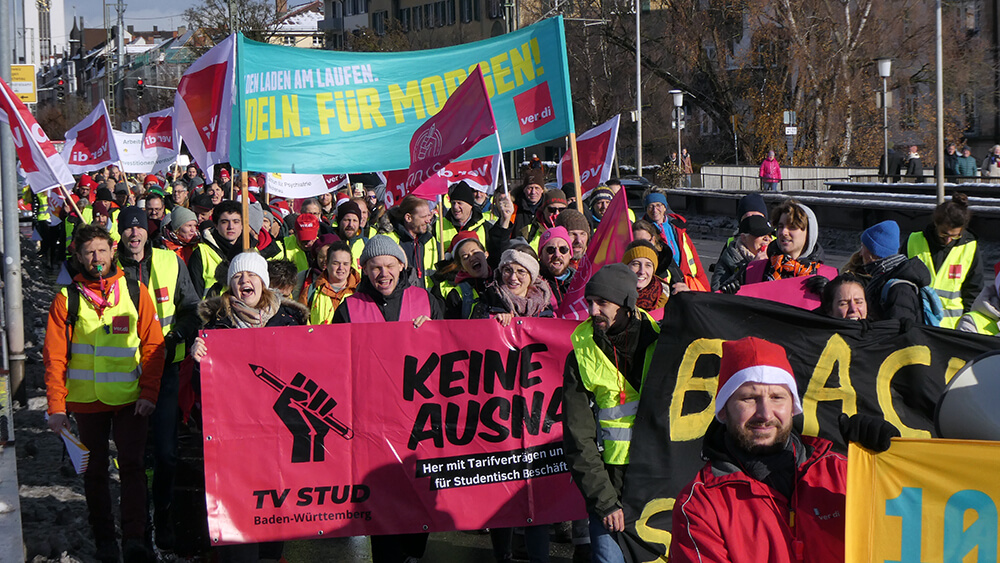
(730, 287)
(871, 432)
(816, 284)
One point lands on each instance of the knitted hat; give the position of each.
(250, 262)
(573, 220)
(130, 217)
(201, 203)
(255, 216)
(150, 179)
(460, 238)
(348, 207)
(756, 225)
(101, 207)
(324, 240)
(462, 191)
(306, 227)
(754, 360)
(381, 245)
(616, 283)
(554, 196)
(569, 188)
(180, 215)
(121, 188)
(523, 259)
(554, 233)
(882, 239)
(104, 194)
(655, 197)
(601, 193)
(641, 249)
(751, 202)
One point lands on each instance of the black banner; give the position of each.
(883, 369)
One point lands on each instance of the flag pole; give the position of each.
(72, 203)
(440, 227)
(244, 193)
(503, 171)
(576, 171)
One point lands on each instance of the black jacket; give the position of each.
(414, 250)
(213, 314)
(390, 306)
(973, 283)
(903, 300)
(183, 292)
(732, 262)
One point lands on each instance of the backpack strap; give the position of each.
(133, 292)
(72, 314)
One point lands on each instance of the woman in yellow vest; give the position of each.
(462, 280)
(951, 254)
(338, 280)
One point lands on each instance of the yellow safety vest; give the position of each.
(357, 247)
(163, 272)
(210, 260)
(280, 255)
(430, 258)
(42, 213)
(947, 281)
(450, 231)
(105, 356)
(321, 309)
(984, 325)
(602, 378)
(295, 253)
(465, 290)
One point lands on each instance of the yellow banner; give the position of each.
(923, 501)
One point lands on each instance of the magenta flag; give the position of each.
(607, 247)
(465, 119)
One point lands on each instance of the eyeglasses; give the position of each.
(552, 210)
(551, 250)
(520, 272)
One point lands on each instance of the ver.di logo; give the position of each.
(429, 143)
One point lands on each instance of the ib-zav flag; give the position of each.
(465, 119)
(311, 111)
(203, 105)
(90, 144)
(596, 149)
(608, 247)
(41, 162)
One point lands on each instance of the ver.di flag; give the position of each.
(608, 247)
(42, 165)
(596, 149)
(159, 131)
(465, 119)
(203, 105)
(90, 144)
(480, 174)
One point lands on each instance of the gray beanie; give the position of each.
(616, 283)
(251, 262)
(512, 255)
(255, 216)
(180, 215)
(381, 245)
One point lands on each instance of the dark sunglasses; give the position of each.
(555, 209)
(551, 250)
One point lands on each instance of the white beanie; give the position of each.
(250, 262)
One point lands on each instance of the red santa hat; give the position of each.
(754, 360)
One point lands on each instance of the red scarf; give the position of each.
(98, 301)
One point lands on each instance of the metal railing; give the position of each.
(754, 183)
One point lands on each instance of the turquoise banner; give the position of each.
(310, 111)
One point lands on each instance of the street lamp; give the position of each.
(638, 91)
(884, 70)
(678, 103)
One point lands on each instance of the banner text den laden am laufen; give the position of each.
(329, 112)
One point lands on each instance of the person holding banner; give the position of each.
(766, 493)
(463, 281)
(795, 251)
(611, 357)
(519, 290)
(385, 295)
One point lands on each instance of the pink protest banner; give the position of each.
(452, 426)
(790, 291)
(608, 247)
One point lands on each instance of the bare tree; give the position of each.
(257, 19)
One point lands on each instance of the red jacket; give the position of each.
(726, 515)
(770, 170)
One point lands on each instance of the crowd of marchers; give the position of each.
(144, 264)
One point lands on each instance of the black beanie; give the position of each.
(104, 194)
(615, 283)
(462, 191)
(751, 202)
(348, 207)
(130, 217)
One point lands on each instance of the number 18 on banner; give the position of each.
(924, 501)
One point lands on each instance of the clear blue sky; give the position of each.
(143, 14)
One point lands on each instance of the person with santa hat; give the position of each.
(759, 470)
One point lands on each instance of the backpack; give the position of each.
(73, 308)
(933, 309)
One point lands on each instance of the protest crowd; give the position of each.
(166, 253)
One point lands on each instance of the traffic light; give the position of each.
(140, 87)
(61, 90)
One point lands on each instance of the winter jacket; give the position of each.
(770, 170)
(951, 164)
(915, 168)
(55, 353)
(972, 285)
(732, 262)
(903, 300)
(724, 514)
(990, 167)
(558, 286)
(213, 314)
(322, 299)
(986, 309)
(208, 283)
(965, 166)
(390, 306)
(492, 302)
(600, 483)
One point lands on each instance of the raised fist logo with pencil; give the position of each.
(305, 408)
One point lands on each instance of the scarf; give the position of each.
(782, 266)
(245, 316)
(649, 296)
(531, 305)
(880, 271)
